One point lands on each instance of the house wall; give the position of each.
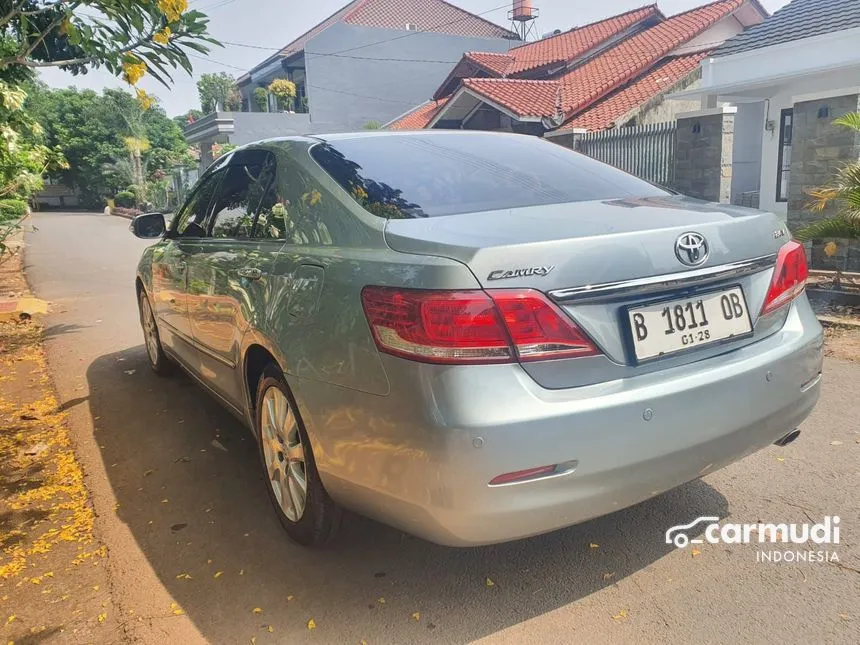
(253, 126)
(818, 147)
(660, 110)
(784, 96)
(718, 33)
(348, 90)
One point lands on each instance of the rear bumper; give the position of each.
(421, 458)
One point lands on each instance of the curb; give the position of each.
(840, 323)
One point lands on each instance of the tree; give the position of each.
(129, 38)
(218, 91)
(92, 131)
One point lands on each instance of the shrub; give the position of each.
(125, 199)
(12, 209)
(261, 98)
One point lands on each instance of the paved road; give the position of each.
(186, 506)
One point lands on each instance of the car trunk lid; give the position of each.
(566, 250)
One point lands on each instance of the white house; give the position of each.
(789, 77)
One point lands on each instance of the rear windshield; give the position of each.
(428, 175)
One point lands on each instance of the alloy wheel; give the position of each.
(284, 453)
(150, 334)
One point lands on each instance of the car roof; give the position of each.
(364, 134)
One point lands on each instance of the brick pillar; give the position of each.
(818, 148)
(703, 154)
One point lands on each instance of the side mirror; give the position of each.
(148, 226)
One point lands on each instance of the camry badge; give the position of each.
(504, 274)
(691, 249)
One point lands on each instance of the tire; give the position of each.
(158, 360)
(286, 455)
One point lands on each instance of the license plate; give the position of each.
(677, 325)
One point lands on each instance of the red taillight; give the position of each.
(499, 326)
(789, 277)
(538, 329)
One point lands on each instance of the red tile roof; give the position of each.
(606, 112)
(492, 62)
(584, 85)
(524, 98)
(418, 118)
(594, 79)
(428, 15)
(576, 42)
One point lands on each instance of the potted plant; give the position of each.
(284, 91)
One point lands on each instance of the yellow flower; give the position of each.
(173, 9)
(133, 70)
(162, 37)
(145, 100)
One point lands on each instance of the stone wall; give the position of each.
(818, 148)
(703, 154)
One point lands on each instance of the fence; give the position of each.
(647, 151)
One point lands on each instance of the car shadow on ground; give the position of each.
(189, 487)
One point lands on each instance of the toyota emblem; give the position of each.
(691, 249)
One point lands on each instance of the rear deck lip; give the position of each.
(641, 286)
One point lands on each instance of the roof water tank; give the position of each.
(523, 10)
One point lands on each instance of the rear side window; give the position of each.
(433, 174)
(239, 197)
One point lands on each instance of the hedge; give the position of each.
(125, 199)
(12, 209)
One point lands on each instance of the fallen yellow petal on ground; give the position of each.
(312, 624)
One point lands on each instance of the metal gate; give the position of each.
(647, 151)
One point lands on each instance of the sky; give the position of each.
(274, 23)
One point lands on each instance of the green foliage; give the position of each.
(372, 125)
(843, 192)
(115, 34)
(24, 157)
(220, 149)
(12, 209)
(284, 91)
(218, 91)
(91, 129)
(125, 199)
(261, 99)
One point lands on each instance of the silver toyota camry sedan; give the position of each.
(475, 337)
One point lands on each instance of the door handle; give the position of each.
(251, 273)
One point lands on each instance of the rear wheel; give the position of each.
(158, 360)
(304, 508)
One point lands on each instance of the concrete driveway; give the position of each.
(195, 550)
